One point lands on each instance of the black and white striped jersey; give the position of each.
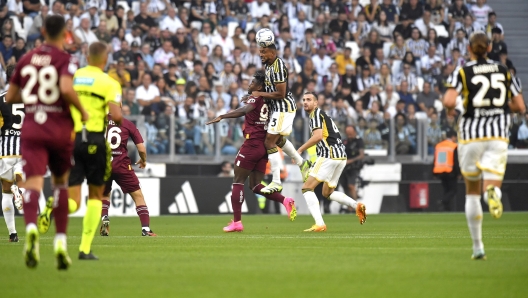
(11, 119)
(486, 88)
(277, 73)
(331, 146)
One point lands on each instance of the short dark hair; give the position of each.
(260, 77)
(10, 68)
(7, 36)
(54, 25)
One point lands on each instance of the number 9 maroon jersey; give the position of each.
(255, 124)
(47, 130)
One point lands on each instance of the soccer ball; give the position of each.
(265, 38)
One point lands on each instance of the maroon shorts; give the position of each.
(252, 156)
(125, 177)
(42, 151)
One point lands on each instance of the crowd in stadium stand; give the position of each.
(369, 61)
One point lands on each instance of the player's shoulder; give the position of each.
(316, 113)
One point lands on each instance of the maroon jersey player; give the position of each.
(252, 158)
(43, 82)
(123, 174)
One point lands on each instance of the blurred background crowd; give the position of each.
(181, 63)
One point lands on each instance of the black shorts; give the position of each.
(92, 160)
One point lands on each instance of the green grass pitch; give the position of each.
(396, 255)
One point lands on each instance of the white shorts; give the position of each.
(328, 170)
(281, 123)
(486, 159)
(9, 167)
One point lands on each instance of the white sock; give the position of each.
(59, 237)
(343, 199)
(31, 226)
(146, 229)
(498, 192)
(474, 220)
(275, 162)
(9, 211)
(290, 150)
(313, 206)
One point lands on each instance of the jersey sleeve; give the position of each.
(280, 74)
(114, 93)
(455, 80)
(70, 67)
(134, 133)
(315, 120)
(515, 86)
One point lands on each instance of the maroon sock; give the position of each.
(276, 196)
(106, 205)
(31, 206)
(237, 198)
(142, 212)
(61, 210)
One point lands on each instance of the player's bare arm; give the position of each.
(115, 111)
(234, 114)
(66, 88)
(142, 150)
(317, 136)
(13, 94)
(450, 99)
(280, 94)
(517, 104)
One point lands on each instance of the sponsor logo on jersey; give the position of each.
(83, 81)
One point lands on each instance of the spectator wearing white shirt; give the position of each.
(84, 33)
(292, 8)
(492, 23)
(219, 92)
(171, 22)
(155, 8)
(148, 96)
(430, 62)
(481, 11)
(469, 26)
(72, 14)
(15, 6)
(460, 42)
(416, 44)
(206, 37)
(134, 35)
(361, 28)
(321, 61)
(299, 26)
(251, 57)
(389, 98)
(164, 54)
(224, 41)
(259, 8)
(409, 77)
(522, 134)
(365, 81)
(424, 23)
(91, 13)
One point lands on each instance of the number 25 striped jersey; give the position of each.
(486, 88)
(331, 146)
(11, 118)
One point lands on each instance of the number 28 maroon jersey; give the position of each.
(38, 74)
(117, 137)
(256, 122)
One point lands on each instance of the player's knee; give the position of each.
(281, 141)
(328, 193)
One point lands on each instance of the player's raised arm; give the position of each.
(234, 114)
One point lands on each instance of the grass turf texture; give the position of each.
(398, 255)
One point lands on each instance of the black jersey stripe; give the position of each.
(277, 73)
(331, 146)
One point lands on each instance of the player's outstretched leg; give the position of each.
(9, 215)
(105, 226)
(237, 199)
(343, 199)
(60, 212)
(289, 203)
(290, 150)
(31, 247)
(473, 211)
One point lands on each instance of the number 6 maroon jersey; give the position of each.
(117, 137)
(38, 74)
